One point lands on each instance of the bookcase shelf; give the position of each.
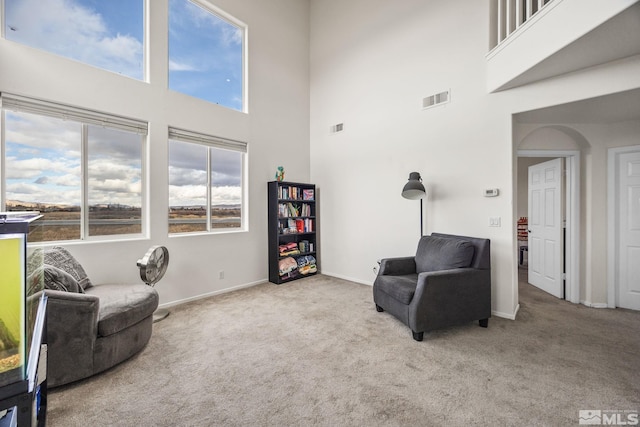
(293, 246)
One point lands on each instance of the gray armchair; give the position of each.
(447, 283)
(91, 328)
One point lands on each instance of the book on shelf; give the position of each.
(289, 193)
(303, 246)
(295, 193)
(287, 210)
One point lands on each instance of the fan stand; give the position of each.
(160, 314)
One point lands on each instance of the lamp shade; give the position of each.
(414, 189)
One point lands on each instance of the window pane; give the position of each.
(205, 55)
(115, 181)
(105, 34)
(42, 161)
(226, 188)
(187, 187)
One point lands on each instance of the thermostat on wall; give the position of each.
(491, 192)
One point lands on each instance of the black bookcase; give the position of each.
(292, 231)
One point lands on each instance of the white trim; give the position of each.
(506, 315)
(209, 140)
(24, 104)
(595, 304)
(350, 279)
(211, 294)
(572, 248)
(612, 223)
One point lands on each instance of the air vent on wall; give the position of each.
(437, 99)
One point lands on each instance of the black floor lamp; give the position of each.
(414, 190)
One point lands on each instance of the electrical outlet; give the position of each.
(221, 274)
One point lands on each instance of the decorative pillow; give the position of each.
(61, 258)
(59, 280)
(440, 253)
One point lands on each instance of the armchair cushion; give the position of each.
(401, 288)
(439, 253)
(122, 306)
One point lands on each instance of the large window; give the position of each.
(81, 169)
(205, 54)
(106, 34)
(205, 182)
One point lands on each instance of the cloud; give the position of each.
(27, 192)
(187, 15)
(35, 132)
(226, 196)
(177, 66)
(187, 195)
(36, 167)
(196, 195)
(70, 29)
(45, 152)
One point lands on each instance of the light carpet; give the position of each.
(316, 352)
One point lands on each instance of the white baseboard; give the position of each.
(595, 304)
(351, 279)
(210, 294)
(510, 316)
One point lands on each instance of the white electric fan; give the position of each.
(152, 267)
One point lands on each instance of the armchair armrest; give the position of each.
(397, 266)
(72, 325)
(450, 297)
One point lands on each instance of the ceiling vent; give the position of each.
(437, 99)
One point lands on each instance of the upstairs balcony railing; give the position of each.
(507, 16)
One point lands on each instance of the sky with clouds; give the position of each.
(205, 55)
(43, 154)
(188, 175)
(43, 162)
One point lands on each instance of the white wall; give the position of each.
(372, 62)
(276, 129)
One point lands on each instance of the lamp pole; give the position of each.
(413, 190)
(421, 217)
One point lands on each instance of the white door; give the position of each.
(545, 227)
(628, 260)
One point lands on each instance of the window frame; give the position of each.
(216, 11)
(84, 118)
(145, 60)
(209, 141)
